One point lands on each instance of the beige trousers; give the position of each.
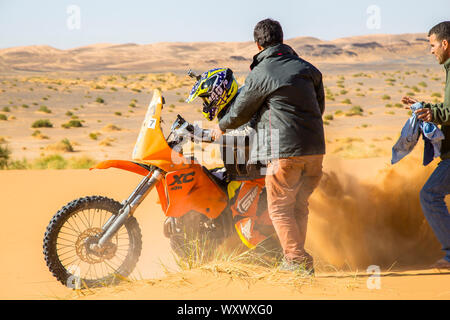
(289, 184)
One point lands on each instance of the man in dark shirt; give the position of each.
(286, 94)
(432, 195)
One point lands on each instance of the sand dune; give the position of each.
(30, 198)
(176, 56)
(365, 212)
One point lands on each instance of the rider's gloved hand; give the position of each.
(216, 133)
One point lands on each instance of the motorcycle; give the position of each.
(95, 240)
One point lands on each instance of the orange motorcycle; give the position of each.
(95, 240)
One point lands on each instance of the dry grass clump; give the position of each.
(111, 128)
(62, 146)
(355, 111)
(38, 135)
(94, 135)
(56, 161)
(107, 142)
(44, 109)
(42, 123)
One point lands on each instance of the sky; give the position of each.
(68, 24)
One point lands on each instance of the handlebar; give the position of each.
(181, 128)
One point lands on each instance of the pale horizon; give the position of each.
(72, 24)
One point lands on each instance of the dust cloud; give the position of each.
(354, 224)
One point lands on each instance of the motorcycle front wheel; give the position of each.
(68, 239)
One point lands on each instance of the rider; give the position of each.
(218, 89)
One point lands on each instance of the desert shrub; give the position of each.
(107, 142)
(415, 89)
(6, 109)
(388, 105)
(19, 164)
(117, 113)
(386, 97)
(343, 91)
(136, 90)
(423, 84)
(347, 101)
(328, 117)
(355, 111)
(390, 112)
(398, 105)
(338, 112)
(436, 94)
(81, 163)
(72, 124)
(3, 117)
(4, 156)
(44, 109)
(69, 113)
(94, 135)
(25, 106)
(42, 123)
(63, 146)
(37, 134)
(111, 127)
(55, 161)
(100, 100)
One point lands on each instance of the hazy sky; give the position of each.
(67, 24)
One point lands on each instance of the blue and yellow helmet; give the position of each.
(217, 88)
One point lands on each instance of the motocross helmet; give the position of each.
(217, 88)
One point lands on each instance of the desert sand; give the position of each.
(365, 212)
(31, 197)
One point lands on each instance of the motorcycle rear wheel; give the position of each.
(78, 224)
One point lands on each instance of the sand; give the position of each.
(30, 198)
(365, 212)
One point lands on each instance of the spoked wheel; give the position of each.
(69, 238)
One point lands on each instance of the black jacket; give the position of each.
(286, 94)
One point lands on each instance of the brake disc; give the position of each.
(88, 238)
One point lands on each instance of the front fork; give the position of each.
(129, 206)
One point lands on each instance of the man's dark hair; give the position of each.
(268, 33)
(441, 30)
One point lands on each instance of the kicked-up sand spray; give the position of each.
(354, 224)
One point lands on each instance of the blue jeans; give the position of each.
(432, 199)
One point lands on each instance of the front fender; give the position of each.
(131, 166)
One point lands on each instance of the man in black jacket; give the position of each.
(286, 94)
